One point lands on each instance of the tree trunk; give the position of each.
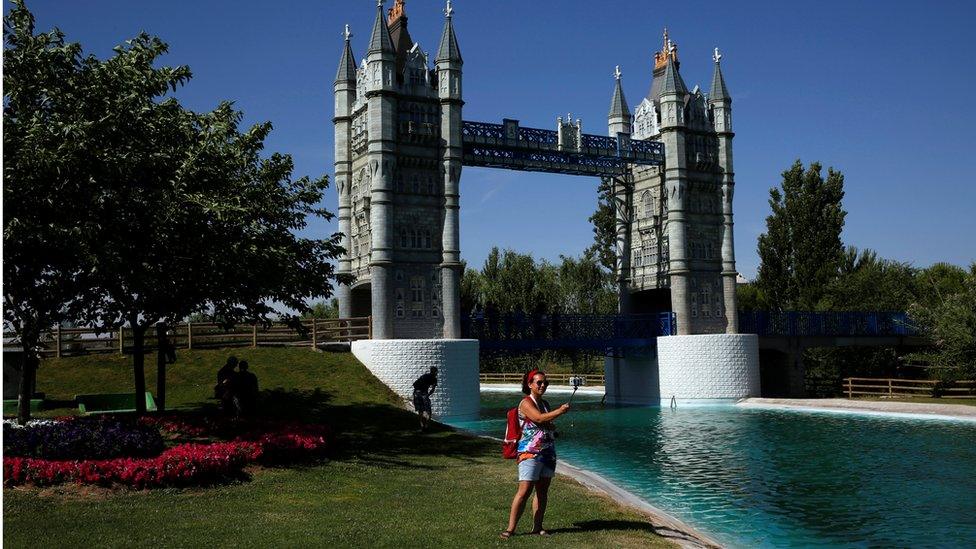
(27, 372)
(161, 344)
(138, 366)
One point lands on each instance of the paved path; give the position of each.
(949, 411)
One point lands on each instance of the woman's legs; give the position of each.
(539, 502)
(518, 503)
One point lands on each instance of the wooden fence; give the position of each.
(555, 379)
(863, 386)
(196, 335)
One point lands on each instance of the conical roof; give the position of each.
(379, 39)
(448, 49)
(671, 80)
(618, 105)
(347, 64)
(718, 92)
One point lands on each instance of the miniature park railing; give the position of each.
(832, 324)
(191, 335)
(554, 379)
(518, 332)
(863, 386)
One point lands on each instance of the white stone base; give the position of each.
(399, 362)
(718, 366)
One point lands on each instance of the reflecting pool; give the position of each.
(776, 478)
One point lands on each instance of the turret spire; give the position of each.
(618, 105)
(347, 64)
(379, 40)
(718, 92)
(668, 58)
(448, 49)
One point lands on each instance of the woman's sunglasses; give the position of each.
(541, 383)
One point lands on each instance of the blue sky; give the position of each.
(879, 90)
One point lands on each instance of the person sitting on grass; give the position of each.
(245, 389)
(536, 453)
(224, 376)
(423, 388)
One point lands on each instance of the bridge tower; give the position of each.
(397, 165)
(681, 254)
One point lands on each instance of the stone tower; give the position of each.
(680, 215)
(397, 167)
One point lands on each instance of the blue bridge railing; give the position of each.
(828, 324)
(526, 332)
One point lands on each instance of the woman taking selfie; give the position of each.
(536, 452)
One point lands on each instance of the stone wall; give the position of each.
(399, 362)
(719, 366)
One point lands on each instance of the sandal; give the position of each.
(506, 534)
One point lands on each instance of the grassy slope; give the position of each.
(385, 486)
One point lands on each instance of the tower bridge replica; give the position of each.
(400, 145)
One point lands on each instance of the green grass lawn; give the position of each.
(385, 485)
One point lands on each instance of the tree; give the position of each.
(44, 139)
(950, 321)
(801, 249)
(323, 309)
(866, 282)
(604, 220)
(585, 286)
(184, 214)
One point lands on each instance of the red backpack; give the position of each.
(513, 432)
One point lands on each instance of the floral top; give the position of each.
(536, 439)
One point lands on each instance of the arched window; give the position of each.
(636, 260)
(415, 184)
(427, 239)
(403, 238)
(430, 185)
(647, 204)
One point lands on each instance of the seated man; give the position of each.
(245, 389)
(224, 376)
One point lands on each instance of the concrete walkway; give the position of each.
(917, 409)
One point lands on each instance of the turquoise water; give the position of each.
(775, 478)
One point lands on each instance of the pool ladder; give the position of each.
(674, 403)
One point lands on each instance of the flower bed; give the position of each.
(186, 464)
(81, 438)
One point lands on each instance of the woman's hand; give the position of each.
(563, 409)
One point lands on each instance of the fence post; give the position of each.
(254, 336)
(889, 387)
(315, 333)
(189, 334)
(850, 388)
(121, 340)
(57, 341)
(369, 321)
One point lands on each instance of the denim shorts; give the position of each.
(535, 468)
